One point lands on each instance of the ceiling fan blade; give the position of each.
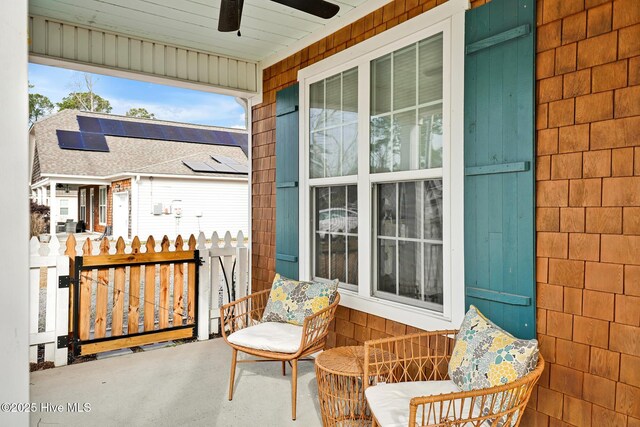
(320, 8)
(230, 15)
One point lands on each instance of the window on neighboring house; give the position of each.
(64, 207)
(102, 206)
(83, 204)
(379, 159)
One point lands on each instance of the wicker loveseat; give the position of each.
(411, 386)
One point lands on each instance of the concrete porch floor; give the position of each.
(181, 385)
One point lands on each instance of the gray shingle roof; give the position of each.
(126, 155)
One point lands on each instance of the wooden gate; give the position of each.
(158, 290)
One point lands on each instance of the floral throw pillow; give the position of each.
(485, 355)
(291, 301)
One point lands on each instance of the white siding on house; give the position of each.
(72, 207)
(224, 206)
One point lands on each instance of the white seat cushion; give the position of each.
(390, 402)
(269, 336)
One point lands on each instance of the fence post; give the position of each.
(214, 284)
(60, 355)
(34, 297)
(241, 266)
(204, 289)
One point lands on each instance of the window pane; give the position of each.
(335, 230)
(316, 155)
(352, 209)
(386, 265)
(387, 210)
(332, 151)
(350, 149)
(407, 136)
(381, 85)
(409, 207)
(338, 258)
(322, 255)
(410, 269)
(416, 249)
(333, 125)
(430, 76)
(433, 273)
(316, 106)
(382, 148)
(350, 96)
(323, 221)
(352, 261)
(433, 209)
(333, 104)
(404, 77)
(430, 120)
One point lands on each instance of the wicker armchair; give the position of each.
(246, 313)
(424, 358)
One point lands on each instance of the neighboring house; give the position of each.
(140, 177)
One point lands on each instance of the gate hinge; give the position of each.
(64, 281)
(63, 341)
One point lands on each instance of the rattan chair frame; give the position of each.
(247, 311)
(425, 357)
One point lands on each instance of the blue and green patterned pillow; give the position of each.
(485, 355)
(291, 301)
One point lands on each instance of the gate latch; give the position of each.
(63, 341)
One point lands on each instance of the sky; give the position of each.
(166, 102)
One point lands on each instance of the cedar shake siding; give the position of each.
(588, 204)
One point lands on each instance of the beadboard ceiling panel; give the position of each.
(267, 27)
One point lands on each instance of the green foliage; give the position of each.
(39, 105)
(141, 113)
(84, 101)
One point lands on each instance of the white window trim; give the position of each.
(449, 19)
(100, 205)
(82, 214)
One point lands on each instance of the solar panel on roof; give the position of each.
(89, 124)
(133, 129)
(222, 168)
(240, 168)
(83, 141)
(224, 159)
(162, 132)
(198, 166)
(112, 127)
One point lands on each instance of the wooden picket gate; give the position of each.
(159, 291)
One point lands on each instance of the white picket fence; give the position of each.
(49, 304)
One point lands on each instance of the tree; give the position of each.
(83, 97)
(141, 113)
(84, 101)
(39, 105)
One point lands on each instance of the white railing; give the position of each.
(224, 261)
(48, 303)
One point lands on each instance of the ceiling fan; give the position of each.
(231, 11)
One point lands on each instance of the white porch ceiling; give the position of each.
(268, 28)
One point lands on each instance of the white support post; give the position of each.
(34, 297)
(204, 290)
(227, 261)
(54, 210)
(62, 304)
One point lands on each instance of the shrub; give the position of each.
(39, 218)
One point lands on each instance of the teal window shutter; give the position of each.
(499, 163)
(287, 173)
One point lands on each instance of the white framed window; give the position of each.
(83, 204)
(102, 205)
(382, 171)
(64, 207)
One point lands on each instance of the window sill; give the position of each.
(417, 317)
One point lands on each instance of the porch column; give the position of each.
(14, 173)
(54, 212)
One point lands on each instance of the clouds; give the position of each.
(166, 102)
